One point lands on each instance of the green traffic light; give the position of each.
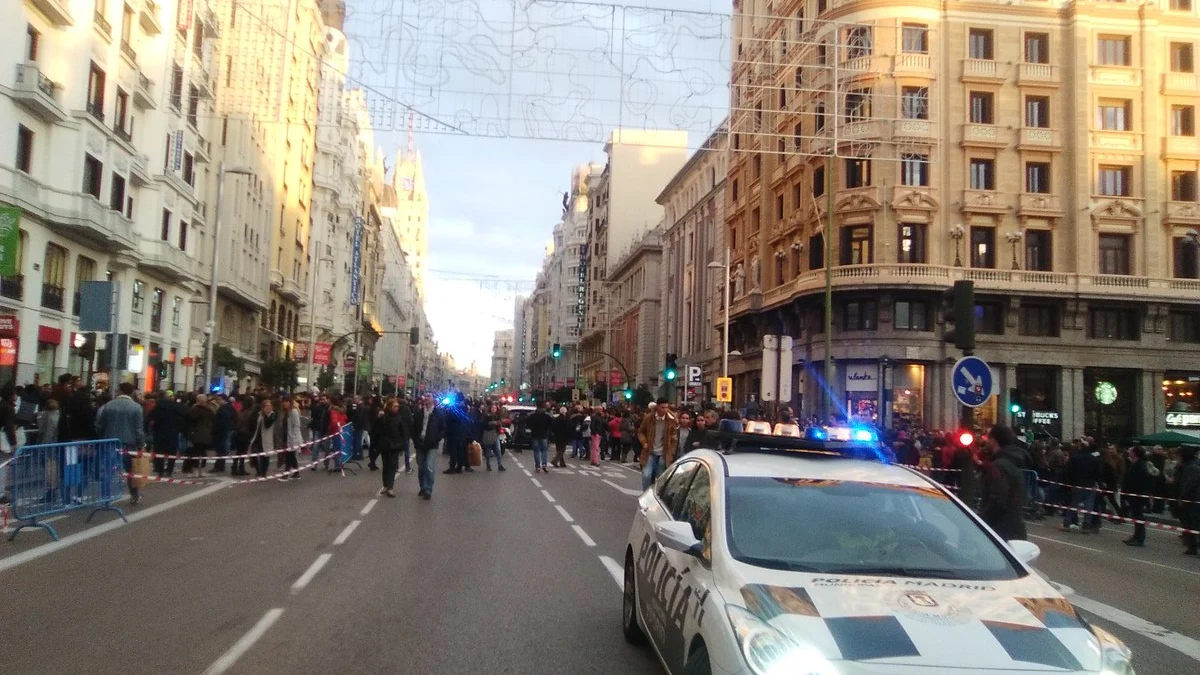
(1014, 408)
(671, 375)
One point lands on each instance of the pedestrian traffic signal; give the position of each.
(671, 369)
(628, 394)
(959, 315)
(1016, 401)
(556, 350)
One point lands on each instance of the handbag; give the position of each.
(140, 471)
(474, 454)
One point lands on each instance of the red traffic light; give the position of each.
(966, 438)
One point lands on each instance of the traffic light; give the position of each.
(965, 439)
(556, 350)
(671, 369)
(1016, 401)
(959, 315)
(628, 394)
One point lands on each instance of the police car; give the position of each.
(810, 556)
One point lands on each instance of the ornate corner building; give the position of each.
(1045, 150)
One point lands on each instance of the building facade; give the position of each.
(636, 324)
(1065, 189)
(502, 357)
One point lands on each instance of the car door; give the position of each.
(686, 590)
(654, 562)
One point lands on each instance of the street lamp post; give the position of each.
(725, 332)
(211, 326)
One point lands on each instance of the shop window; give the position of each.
(1039, 386)
(859, 315)
(989, 318)
(1037, 320)
(1113, 323)
(1038, 251)
(1186, 258)
(1183, 326)
(983, 247)
(911, 315)
(856, 245)
(46, 359)
(912, 243)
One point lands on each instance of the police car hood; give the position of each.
(1007, 626)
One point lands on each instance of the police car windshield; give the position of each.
(841, 527)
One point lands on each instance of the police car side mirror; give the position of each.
(1026, 551)
(677, 536)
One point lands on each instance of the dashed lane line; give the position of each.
(614, 568)
(244, 644)
(563, 512)
(629, 491)
(311, 573)
(587, 541)
(527, 472)
(367, 509)
(547, 496)
(341, 538)
(536, 482)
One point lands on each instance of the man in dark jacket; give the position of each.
(389, 438)
(223, 423)
(429, 427)
(1084, 473)
(166, 422)
(1138, 482)
(538, 424)
(1004, 486)
(1189, 497)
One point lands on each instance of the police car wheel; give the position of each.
(697, 663)
(629, 620)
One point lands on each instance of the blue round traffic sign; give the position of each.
(972, 381)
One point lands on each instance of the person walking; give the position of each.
(1003, 501)
(263, 440)
(292, 438)
(200, 427)
(599, 427)
(122, 419)
(1137, 482)
(429, 427)
(491, 439)
(658, 435)
(389, 438)
(539, 424)
(165, 421)
(223, 422)
(561, 431)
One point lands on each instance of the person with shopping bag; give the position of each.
(122, 418)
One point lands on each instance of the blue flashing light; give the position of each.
(817, 434)
(864, 435)
(446, 400)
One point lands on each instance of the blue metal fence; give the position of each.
(59, 477)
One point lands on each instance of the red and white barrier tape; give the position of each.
(1119, 493)
(297, 448)
(1123, 519)
(209, 481)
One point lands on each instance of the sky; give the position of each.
(508, 96)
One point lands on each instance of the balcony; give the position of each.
(53, 297)
(38, 94)
(96, 110)
(985, 135)
(1037, 73)
(982, 70)
(1121, 141)
(984, 201)
(862, 67)
(1183, 213)
(276, 280)
(55, 11)
(1038, 204)
(912, 129)
(912, 64)
(148, 17)
(203, 81)
(208, 18)
(102, 26)
(139, 174)
(1181, 146)
(1115, 75)
(128, 52)
(860, 130)
(1039, 138)
(143, 92)
(1181, 83)
(163, 258)
(13, 287)
(202, 150)
(291, 291)
(123, 134)
(81, 217)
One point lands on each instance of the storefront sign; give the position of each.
(300, 351)
(8, 352)
(322, 353)
(10, 240)
(9, 324)
(187, 362)
(348, 364)
(49, 335)
(862, 377)
(1183, 420)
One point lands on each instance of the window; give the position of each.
(1183, 326)
(95, 92)
(85, 270)
(818, 181)
(156, 308)
(1186, 259)
(1113, 50)
(1181, 57)
(1037, 112)
(189, 174)
(914, 38)
(822, 5)
(165, 234)
(856, 245)
(980, 105)
(176, 310)
(822, 54)
(979, 44)
(1181, 5)
(857, 105)
(1115, 115)
(1183, 186)
(33, 40)
(139, 296)
(797, 136)
(858, 172)
(126, 27)
(117, 193)
(989, 318)
(779, 207)
(1037, 48)
(183, 236)
(983, 174)
(914, 170)
(177, 86)
(797, 192)
(914, 103)
(756, 167)
(912, 243)
(1115, 181)
(733, 188)
(859, 315)
(858, 42)
(1038, 320)
(1114, 254)
(1183, 120)
(1038, 254)
(54, 277)
(93, 175)
(983, 247)
(1037, 177)
(193, 111)
(1113, 323)
(672, 488)
(121, 122)
(910, 315)
(24, 148)
(816, 252)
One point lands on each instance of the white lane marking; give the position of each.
(566, 471)
(614, 568)
(547, 496)
(70, 540)
(563, 512)
(527, 473)
(629, 491)
(312, 571)
(630, 468)
(536, 482)
(1065, 543)
(341, 538)
(367, 509)
(1167, 567)
(616, 474)
(1180, 643)
(587, 541)
(245, 643)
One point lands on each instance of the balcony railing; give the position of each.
(52, 297)
(1188, 83)
(127, 51)
(1037, 72)
(102, 24)
(908, 63)
(985, 69)
(96, 110)
(143, 93)
(13, 287)
(122, 133)
(37, 93)
(149, 17)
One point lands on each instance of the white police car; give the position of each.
(788, 556)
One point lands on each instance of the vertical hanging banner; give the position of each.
(184, 20)
(178, 159)
(356, 261)
(10, 240)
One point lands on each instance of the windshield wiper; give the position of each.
(898, 571)
(777, 564)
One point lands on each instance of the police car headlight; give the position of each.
(1117, 657)
(769, 652)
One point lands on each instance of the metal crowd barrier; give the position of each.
(59, 477)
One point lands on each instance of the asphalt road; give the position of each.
(499, 573)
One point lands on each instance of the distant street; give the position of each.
(499, 573)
